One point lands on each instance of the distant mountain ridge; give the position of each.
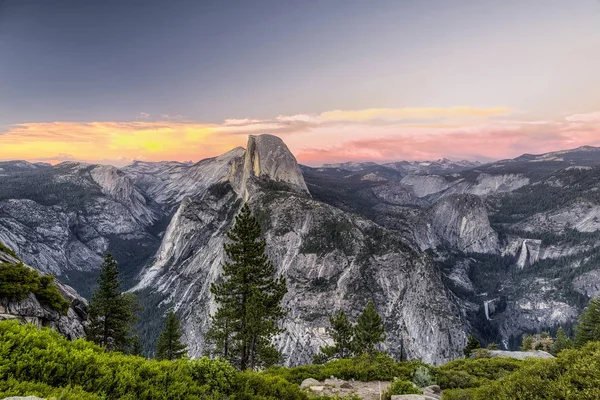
(444, 248)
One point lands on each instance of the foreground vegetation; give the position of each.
(43, 363)
(17, 281)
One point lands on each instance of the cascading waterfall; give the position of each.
(486, 307)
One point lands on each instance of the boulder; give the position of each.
(309, 382)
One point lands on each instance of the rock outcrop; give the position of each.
(460, 222)
(31, 310)
(266, 157)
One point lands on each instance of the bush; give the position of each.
(471, 373)
(251, 385)
(17, 281)
(10, 252)
(399, 386)
(43, 363)
(11, 387)
(361, 368)
(422, 377)
(480, 353)
(575, 374)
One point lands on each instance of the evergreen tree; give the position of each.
(588, 328)
(111, 312)
(561, 342)
(169, 345)
(369, 330)
(342, 333)
(472, 345)
(249, 298)
(135, 346)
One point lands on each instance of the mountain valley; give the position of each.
(444, 249)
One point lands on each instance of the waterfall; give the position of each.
(486, 307)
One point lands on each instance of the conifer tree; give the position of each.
(562, 342)
(342, 333)
(111, 312)
(369, 330)
(249, 297)
(588, 328)
(169, 345)
(472, 345)
(135, 346)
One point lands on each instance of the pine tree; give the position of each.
(169, 345)
(369, 330)
(562, 342)
(249, 298)
(111, 312)
(588, 328)
(135, 346)
(472, 345)
(342, 333)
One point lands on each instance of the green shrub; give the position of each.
(422, 377)
(10, 252)
(43, 363)
(480, 353)
(17, 281)
(251, 385)
(470, 373)
(11, 387)
(399, 386)
(575, 374)
(361, 368)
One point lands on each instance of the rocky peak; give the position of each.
(266, 156)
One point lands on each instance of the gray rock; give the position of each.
(308, 383)
(30, 310)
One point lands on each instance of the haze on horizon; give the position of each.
(337, 80)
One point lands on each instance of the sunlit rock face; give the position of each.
(459, 222)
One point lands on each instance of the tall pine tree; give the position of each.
(561, 342)
(369, 330)
(249, 297)
(588, 328)
(169, 345)
(111, 312)
(472, 345)
(135, 346)
(342, 333)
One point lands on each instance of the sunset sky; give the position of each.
(338, 80)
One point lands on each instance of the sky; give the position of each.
(338, 80)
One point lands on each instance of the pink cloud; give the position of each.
(497, 141)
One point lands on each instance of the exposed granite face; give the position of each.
(70, 214)
(422, 321)
(459, 222)
(324, 273)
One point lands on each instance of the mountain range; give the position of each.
(443, 248)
